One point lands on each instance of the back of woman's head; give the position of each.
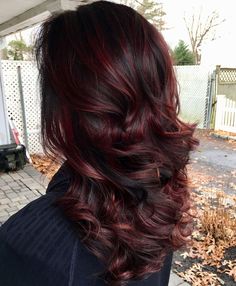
(110, 108)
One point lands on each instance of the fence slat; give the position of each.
(225, 114)
(234, 120)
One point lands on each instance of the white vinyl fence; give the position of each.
(225, 114)
(21, 90)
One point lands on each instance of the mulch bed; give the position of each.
(211, 259)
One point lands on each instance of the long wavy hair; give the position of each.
(110, 109)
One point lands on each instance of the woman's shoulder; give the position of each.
(32, 214)
(36, 237)
(39, 211)
(41, 219)
(38, 224)
(39, 244)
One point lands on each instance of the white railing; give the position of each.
(225, 114)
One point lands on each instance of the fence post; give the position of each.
(22, 108)
(4, 124)
(220, 108)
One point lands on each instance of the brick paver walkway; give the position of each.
(19, 188)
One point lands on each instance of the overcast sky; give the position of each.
(220, 51)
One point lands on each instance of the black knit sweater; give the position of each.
(39, 247)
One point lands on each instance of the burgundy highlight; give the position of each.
(110, 109)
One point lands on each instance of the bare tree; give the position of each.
(201, 28)
(152, 10)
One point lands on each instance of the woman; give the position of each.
(119, 205)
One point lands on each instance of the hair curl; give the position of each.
(110, 108)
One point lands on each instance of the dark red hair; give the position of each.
(110, 109)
